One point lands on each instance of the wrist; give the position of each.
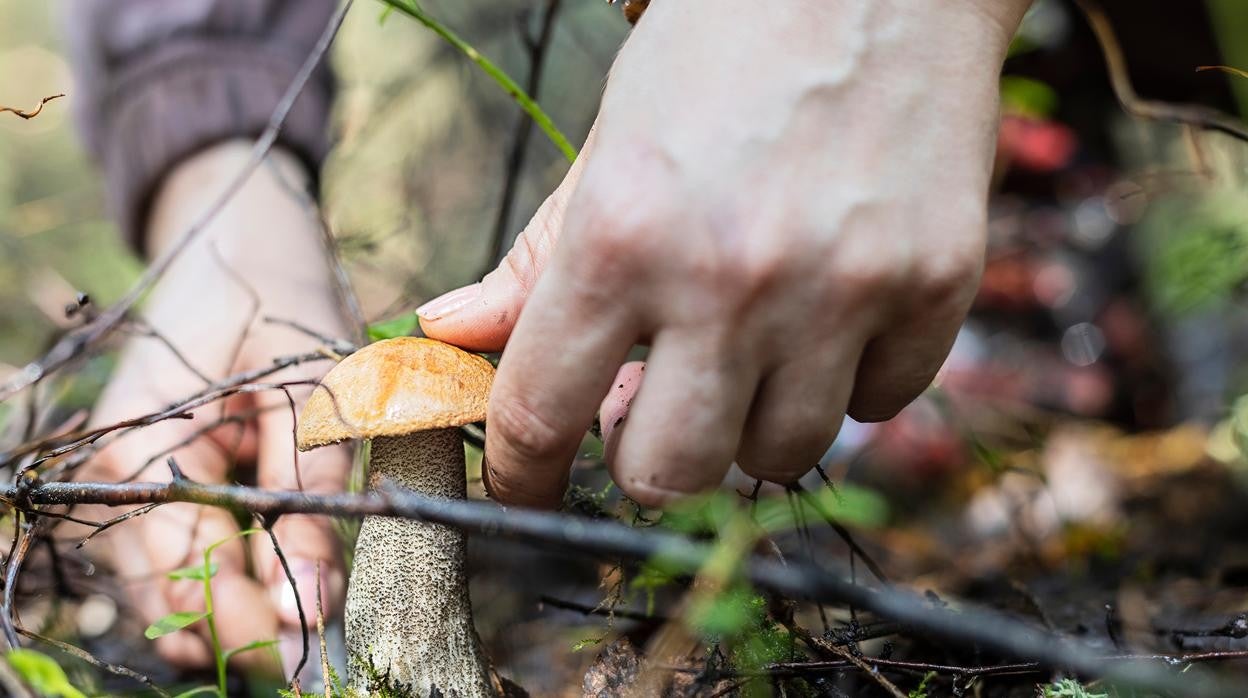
(833, 24)
(269, 228)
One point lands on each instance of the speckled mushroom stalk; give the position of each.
(408, 611)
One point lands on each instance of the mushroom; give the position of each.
(408, 615)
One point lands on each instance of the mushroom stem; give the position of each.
(407, 604)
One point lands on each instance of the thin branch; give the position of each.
(537, 47)
(78, 341)
(807, 498)
(290, 578)
(600, 611)
(102, 526)
(63, 443)
(345, 291)
(145, 329)
(338, 346)
(13, 567)
(91, 659)
(989, 630)
(320, 635)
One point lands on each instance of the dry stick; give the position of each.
(253, 297)
(267, 523)
(180, 410)
(523, 131)
(64, 443)
(236, 418)
(972, 672)
(334, 344)
(89, 658)
(807, 542)
(806, 497)
(883, 682)
(13, 567)
(145, 329)
(102, 526)
(1116, 65)
(347, 297)
(76, 342)
(320, 636)
(990, 630)
(30, 113)
(599, 611)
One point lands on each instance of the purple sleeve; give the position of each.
(158, 80)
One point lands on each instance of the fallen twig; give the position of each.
(30, 113)
(801, 579)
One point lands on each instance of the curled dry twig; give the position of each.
(1196, 115)
(30, 113)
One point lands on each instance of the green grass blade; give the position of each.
(526, 102)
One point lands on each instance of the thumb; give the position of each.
(480, 317)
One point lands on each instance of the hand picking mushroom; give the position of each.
(408, 612)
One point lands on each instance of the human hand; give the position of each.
(787, 203)
(266, 238)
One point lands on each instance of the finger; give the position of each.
(481, 317)
(797, 414)
(898, 365)
(558, 365)
(685, 422)
(614, 408)
(308, 542)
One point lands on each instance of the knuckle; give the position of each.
(747, 278)
(949, 275)
(524, 431)
(861, 280)
(524, 260)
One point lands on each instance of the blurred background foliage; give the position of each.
(412, 188)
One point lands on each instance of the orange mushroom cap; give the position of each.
(396, 387)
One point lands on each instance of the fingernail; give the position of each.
(305, 574)
(448, 303)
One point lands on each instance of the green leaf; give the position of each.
(1027, 96)
(42, 673)
(258, 644)
(725, 614)
(400, 326)
(196, 573)
(173, 623)
(921, 690)
(199, 690)
(1069, 688)
(587, 642)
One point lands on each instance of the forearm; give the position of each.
(800, 66)
(158, 81)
